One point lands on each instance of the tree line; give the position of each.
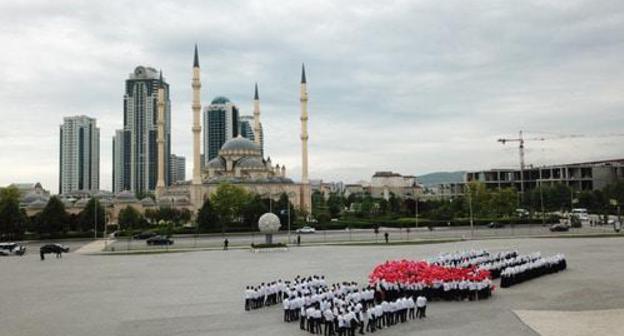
(484, 203)
(230, 208)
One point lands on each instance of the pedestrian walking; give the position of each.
(386, 235)
(226, 242)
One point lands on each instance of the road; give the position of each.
(214, 241)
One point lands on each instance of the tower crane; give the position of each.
(520, 139)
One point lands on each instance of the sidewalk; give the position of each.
(94, 247)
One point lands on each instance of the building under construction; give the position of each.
(593, 175)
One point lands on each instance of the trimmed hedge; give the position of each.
(262, 246)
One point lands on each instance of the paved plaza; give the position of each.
(200, 293)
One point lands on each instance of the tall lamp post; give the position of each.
(470, 209)
(95, 219)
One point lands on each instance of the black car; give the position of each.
(144, 235)
(559, 228)
(159, 240)
(7, 249)
(495, 225)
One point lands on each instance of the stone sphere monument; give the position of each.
(269, 224)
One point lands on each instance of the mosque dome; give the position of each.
(216, 163)
(102, 194)
(239, 145)
(166, 201)
(81, 203)
(125, 197)
(67, 202)
(105, 202)
(38, 204)
(148, 202)
(250, 162)
(32, 197)
(220, 100)
(182, 201)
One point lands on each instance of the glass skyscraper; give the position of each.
(246, 127)
(221, 123)
(135, 153)
(79, 155)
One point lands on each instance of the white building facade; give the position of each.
(79, 167)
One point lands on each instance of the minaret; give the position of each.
(306, 196)
(196, 84)
(256, 114)
(304, 127)
(160, 140)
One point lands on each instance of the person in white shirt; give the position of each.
(302, 317)
(421, 305)
(310, 319)
(328, 317)
(286, 306)
(411, 305)
(342, 327)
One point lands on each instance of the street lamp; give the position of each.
(95, 219)
(470, 209)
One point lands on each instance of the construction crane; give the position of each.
(520, 139)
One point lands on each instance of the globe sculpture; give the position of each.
(269, 224)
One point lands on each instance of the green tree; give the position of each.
(366, 207)
(502, 202)
(207, 219)
(87, 217)
(335, 204)
(152, 216)
(10, 193)
(228, 202)
(129, 218)
(394, 204)
(12, 220)
(53, 219)
(252, 210)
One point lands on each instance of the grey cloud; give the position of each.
(413, 86)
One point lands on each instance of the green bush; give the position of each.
(263, 245)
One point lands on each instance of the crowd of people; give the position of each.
(536, 268)
(438, 290)
(340, 309)
(497, 266)
(264, 295)
(398, 291)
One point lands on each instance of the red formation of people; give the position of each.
(413, 272)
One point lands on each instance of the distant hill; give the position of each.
(433, 179)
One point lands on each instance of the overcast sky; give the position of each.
(408, 86)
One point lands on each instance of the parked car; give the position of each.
(306, 229)
(144, 235)
(8, 249)
(522, 213)
(559, 227)
(496, 225)
(159, 240)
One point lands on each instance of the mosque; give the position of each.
(240, 161)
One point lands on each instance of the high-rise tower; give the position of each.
(221, 123)
(196, 84)
(136, 155)
(79, 155)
